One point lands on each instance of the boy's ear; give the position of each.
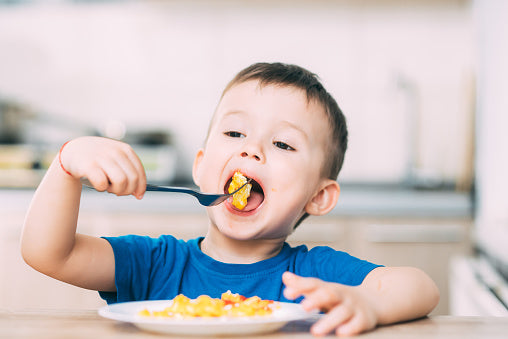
(325, 199)
(196, 167)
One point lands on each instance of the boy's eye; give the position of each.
(233, 134)
(283, 145)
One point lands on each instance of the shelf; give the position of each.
(352, 202)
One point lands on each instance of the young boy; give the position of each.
(277, 125)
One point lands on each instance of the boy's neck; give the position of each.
(233, 251)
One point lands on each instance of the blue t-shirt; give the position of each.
(161, 268)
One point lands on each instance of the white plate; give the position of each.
(128, 312)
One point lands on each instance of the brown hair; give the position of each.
(298, 77)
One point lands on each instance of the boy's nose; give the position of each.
(252, 151)
(246, 155)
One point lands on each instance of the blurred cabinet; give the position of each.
(21, 287)
(425, 243)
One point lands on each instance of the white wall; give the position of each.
(492, 122)
(390, 64)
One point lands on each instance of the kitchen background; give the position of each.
(420, 83)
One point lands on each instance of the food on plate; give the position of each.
(229, 305)
(240, 197)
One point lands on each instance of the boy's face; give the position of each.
(274, 136)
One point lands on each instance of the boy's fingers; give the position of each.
(318, 294)
(138, 168)
(291, 293)
(288, 277)
(324, 298)
(129, 177)
(123, 173)
(353, 326)
(132, 165)
(301, 283)
(334, 319)
(296, 285)
(109, 165)
(98, 179)
(118, 180)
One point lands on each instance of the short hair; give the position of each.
(298, 77)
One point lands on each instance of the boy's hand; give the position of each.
(348, 308)
(108, 164)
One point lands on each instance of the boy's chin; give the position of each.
(234, 227)
(238, 234)
(248, 229)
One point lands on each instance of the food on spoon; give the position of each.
(229, 305)
(240, 197)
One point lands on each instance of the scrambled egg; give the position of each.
(240, 197)
(229, 305)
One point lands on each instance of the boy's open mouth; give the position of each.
(256, 197)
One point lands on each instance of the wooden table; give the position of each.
(52, 324)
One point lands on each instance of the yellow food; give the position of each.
(240, 197)
(229, 305)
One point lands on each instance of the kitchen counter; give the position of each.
(354, 201)
(44, 324)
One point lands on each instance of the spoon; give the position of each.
(205, 199)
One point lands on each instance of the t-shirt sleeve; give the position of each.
(335, 266)
(135, 257)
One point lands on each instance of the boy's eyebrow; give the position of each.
(285, 122)
(297, 128)
(233, 112)
(216, 118)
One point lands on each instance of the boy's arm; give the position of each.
(387, 295)
(49, 241)
(400, 293)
